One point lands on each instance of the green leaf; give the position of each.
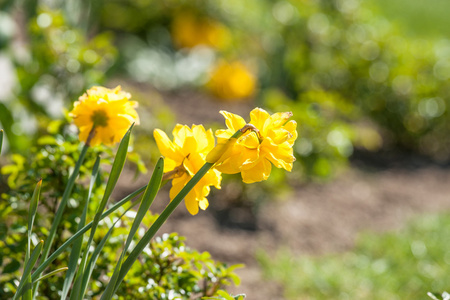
(80, 286)
(109, 292)
(11, 267)
(50, 274)
(76, 249)
(159, 222)
(147, 200)
(32, 211)
(1, 140)
(27, 270)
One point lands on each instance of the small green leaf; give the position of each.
(11, 267)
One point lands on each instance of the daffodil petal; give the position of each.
(233, 122)
(250, 140)
(258, 117)
(282, 156)
(166, 147)
(259, 172)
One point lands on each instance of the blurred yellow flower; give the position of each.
(189, 30)
(253, 153)
(108, 110)
(232, 81)
(184, 156)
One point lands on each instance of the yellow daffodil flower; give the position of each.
(184, 156)
(108, 111)
(270, 141)
(190, 30)
(232, 81)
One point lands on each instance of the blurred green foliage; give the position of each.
(397, 265)
(53, 62)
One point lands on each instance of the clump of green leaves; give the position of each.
(169, 269)
(396, 265)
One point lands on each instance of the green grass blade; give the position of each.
(60, 211)
(79, 233)
(109, 292)
(32, 211)
(76, 249)
(147, 200)
(159, 222)
(31, 216)
(23, 288)
(119, 162)
(50, 274)
(81, 283)
(1, 140)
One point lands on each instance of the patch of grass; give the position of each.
(422, 18)
(400, 265)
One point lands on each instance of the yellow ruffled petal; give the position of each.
(260, 171)
(191, 203)
(291, 126)
(177, 185)
(233, 122)
(203, 203)
(166, 147)
(258, 117)
(250, 140)
(282, 156)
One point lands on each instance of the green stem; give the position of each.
(159, 222)
(60, 211)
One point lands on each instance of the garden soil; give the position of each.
(376, 193)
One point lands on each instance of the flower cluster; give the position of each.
(266, 140)
(104, 115)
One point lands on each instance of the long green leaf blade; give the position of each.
(50, 274)
(1, 140)
(109, 292)
(32, 211)
(159, 222)
(76, 249)
(147, 199)
(27, 270)
(81, 283)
